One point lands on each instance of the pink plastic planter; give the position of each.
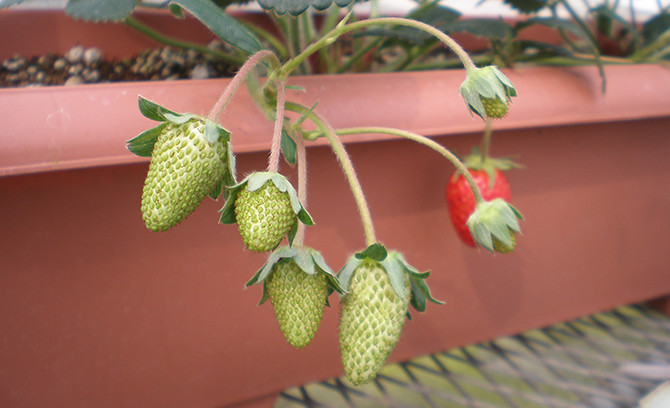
(96, 310)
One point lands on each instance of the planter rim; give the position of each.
(59, 128)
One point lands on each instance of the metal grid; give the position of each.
(581, 363)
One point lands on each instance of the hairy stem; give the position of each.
(347, 168)
(426, 142)
(486, 140)
(339, 30)
(237, 80)
(302, 187)
(273, 163)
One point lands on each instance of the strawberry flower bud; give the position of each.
(494, 225)
(487, 92)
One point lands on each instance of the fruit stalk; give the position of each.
(347, 168)
(486, 139)
(302, 187)
(273, 163)
(339, 30)
(426, 142)
(237, 80)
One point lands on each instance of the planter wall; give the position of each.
(96, 310)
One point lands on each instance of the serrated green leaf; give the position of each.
(227, 28)
(417, 300)
(527, 6)
(288, 147)
(100, 10)
(152, 110)
(143, 144)
(7, 3)
(655, 26)
(481, 27)
(297, 7)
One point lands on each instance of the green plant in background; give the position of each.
(191, 156)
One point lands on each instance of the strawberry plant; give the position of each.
(192, 157)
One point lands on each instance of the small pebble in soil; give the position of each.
(80, 65)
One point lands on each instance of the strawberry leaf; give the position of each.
(100, 10)
(223, 25)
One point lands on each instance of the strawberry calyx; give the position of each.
(307, 259)
(492, 221)
(487, 92)
(477, 161)
(396, 267)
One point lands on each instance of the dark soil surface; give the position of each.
(88, 65)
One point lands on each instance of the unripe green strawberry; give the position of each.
(264, 216)
(372, 318)
(495, 108)
(501, 247)
(184, 168)
(298, 300)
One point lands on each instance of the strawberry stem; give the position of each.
(273, 162)
(302, 187)
(235, 83)
(486, 140)
(341, 29)
(347, 168)
(426, 142)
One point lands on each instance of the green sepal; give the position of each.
(143, 144)
(255, 181)
(307, 259)
(288, 147)
(152, 110)
(376, 252)
(487, 82)
(489, 164)
(495, 218)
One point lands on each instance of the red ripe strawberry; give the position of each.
(491, 182)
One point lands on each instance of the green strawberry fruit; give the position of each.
(297, 281)
(500, 247)
(185, 167)
(372, 318)
(298, 300)
(264, 217)
(265, 207)
(495, 108)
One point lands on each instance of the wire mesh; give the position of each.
(581, 363)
